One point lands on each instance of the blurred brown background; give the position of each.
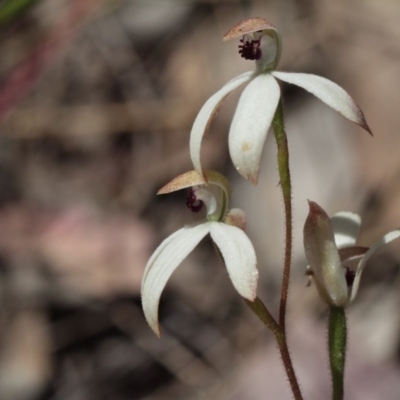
(97, 99)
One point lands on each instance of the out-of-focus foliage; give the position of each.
(10, 9)
(96, 106)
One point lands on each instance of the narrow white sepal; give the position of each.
(328, 92)
(389, 237)
(251, 122)
(345, 225)
(239, 256)
(206, 114)
(166, 258)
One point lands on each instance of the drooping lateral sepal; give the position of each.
(328, 92)
(164, 261)
(239, 257)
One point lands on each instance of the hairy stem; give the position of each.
(258, 308)
(285, 182)
(287, 362)
(337, 349)
(286, 187)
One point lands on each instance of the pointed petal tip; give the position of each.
(358, 116)
(150, 314)
(252, 177)
(155, 327)
(157, 331)
(161, 191)
(314, 207)
(329, 92)
(363, 122)
(367, 128)
(248, 174)
(317, 217)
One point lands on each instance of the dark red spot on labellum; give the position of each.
(193, 203)
(250, 49)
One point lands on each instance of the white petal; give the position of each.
(389, 237)
(239, 256)
(251, 122)
(207, 113)
(166, 258)
(345, 226)
(328, 92)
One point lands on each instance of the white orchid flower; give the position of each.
(226, 230)
(335, 262)
(257, 104)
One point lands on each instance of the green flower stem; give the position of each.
(262, 312)
(286, 187)
(285, 182)
(258, 308)
(337, 349)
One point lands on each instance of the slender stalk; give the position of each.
(287, 362)
(286, 187)
(268, 320)
(337, 349)
(258, 308)
(285, 182)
